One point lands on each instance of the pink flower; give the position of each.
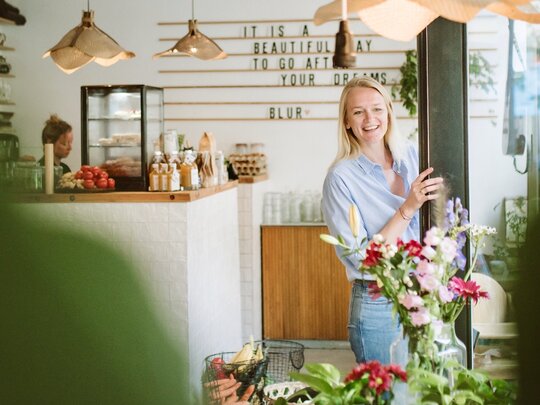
(445, 295)
(449, 249)
(428, 282)
(428, 252)
(425, 267)
(420, 317)
(411, 301)
(467, 289)
(433, 236)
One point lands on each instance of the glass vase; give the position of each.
(450, 348)
(399, 354)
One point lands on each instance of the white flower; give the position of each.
(378, 238)
(388, 251)
(433, 236)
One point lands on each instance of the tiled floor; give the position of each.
(337, 353)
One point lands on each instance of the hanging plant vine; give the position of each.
(407, 87)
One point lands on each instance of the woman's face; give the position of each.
(62, 146)
(366, 115)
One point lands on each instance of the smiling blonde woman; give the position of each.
(375, 170)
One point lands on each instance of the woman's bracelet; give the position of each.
(405, 217)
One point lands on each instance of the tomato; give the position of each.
(89, 183)
(110, 182)
(88, 175)
(85, 168)
(217, 365)
(102, 183)
(104, 175)
(96, 171)
(79, 175)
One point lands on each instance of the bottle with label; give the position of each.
(154, 177)
(173, 178)
(189, 172)
(163, 172)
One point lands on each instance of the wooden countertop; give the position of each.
(122, 196)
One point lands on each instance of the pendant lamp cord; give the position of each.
(87, 5)
(343, 10)
(193, 9)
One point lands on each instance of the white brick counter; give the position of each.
(187, 255)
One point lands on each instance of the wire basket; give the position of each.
(283, 357)
(248, 373)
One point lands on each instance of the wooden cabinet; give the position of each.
(305, 289)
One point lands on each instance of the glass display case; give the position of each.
(120, 126)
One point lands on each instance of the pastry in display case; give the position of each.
(120, 125)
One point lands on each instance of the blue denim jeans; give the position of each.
(372, 329)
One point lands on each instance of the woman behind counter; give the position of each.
(377, 171)
(59, 133)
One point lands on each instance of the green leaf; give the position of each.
(314, 382)
(326, 371)
(280, 401)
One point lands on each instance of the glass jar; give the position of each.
(241, 148)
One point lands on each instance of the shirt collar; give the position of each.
(368, 166)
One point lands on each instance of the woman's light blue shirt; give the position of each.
(362, 183)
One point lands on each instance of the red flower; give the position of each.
(467, 289)
(380, 377)
(398, 372)
(372, 255)
(414, 248)
(375, 291)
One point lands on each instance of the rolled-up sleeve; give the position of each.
(336, 202)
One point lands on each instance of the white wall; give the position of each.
(41, 88)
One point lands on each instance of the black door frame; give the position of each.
(442, 122)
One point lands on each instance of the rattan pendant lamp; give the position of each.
(86, 43)
(195, 43)
(402, 20)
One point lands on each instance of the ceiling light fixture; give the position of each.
(195, 43)
(86, 43)
(344, 54)
(402, 20)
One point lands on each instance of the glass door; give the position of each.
(503, 172)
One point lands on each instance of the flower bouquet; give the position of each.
(421, 279)
(367, 383)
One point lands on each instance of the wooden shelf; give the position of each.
(122, 196)
(6, 48)
(252, 179)
(6, 75)
(5, 21)
(7, 103)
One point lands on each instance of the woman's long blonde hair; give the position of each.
(348, 144)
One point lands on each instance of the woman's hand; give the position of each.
(422, 190)
(223, 392)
